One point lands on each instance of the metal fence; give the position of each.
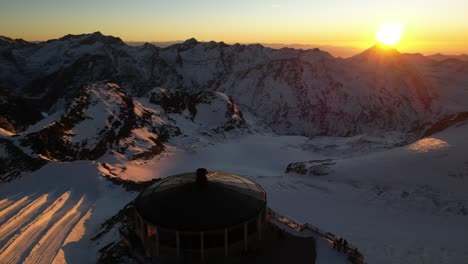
(331, 238)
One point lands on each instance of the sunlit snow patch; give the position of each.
(428, 144)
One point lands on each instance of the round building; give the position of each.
(199, 215)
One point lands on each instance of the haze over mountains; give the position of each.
(142, 112)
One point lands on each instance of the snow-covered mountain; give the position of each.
(450, 76)
(302, 92)
(85, 96)
(442, 57)
(104, 119)
(6, 41)
(92, 97)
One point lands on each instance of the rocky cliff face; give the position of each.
(14, 162)
(302, 92)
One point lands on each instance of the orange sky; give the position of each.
(430, 26)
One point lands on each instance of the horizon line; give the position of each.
(264, 44)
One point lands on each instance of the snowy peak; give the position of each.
(103, 118)
(441, 57)
(210, 111)
(6, 41)
(191, 42)
(89, 39)
(92, 122)
(187, 44)
(378, 53)
(382, 48)
(389, 71)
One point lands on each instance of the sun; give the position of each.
(390, 33)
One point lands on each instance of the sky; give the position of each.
(431, 26)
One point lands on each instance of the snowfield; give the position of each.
(404, 205)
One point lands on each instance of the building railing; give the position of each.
(331, 238)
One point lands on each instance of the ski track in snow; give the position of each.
(35, 227)
(7, 202)
(22, 217)
(75, 235)
(14, 207)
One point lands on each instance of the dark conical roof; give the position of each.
(181, 203)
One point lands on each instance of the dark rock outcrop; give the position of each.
(14, 162)
(312, 167)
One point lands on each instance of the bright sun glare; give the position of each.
(390, 33)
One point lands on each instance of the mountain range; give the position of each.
(304, 92)
(92, 93)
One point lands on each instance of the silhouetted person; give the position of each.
(201, 173)
(345, 246)
(340, 243)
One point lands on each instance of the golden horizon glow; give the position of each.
(341, 27)
(390, 33)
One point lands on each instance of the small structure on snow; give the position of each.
(216, 217)
(200, 214)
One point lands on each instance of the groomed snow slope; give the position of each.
(50, 215)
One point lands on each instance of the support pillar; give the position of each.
(145, 238)
(202, 247)
(226, 245)
(245, 237)
(157, 242)
(259, 226)
(178, 243)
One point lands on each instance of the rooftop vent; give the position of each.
(201, 173)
